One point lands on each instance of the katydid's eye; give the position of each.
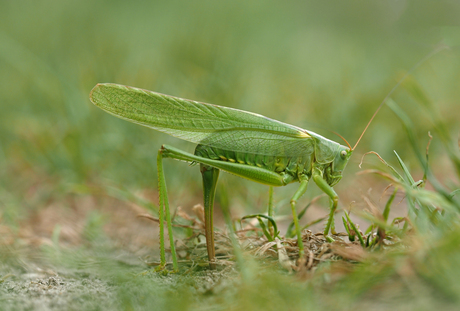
(343, 154)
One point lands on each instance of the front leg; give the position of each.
(323, 185)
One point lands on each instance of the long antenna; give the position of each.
(429, 55)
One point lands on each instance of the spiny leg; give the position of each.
(210, 176)
(322, 184)
(300, 191)
(252, 172)
(164, 211)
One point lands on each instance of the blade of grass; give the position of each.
(408, 126)
(353, 226)
(386, 211)
(262, 225)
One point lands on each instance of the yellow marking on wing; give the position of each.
(304, 135)
(223, 158)
(241, 162)
(232, 160)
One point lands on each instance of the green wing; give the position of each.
(211, 125)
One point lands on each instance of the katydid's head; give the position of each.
(341, 158)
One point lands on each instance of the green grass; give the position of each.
(73, 178)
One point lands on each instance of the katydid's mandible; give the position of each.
(242, 143)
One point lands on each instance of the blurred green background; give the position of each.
(321, 65)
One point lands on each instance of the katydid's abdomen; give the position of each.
(289, 168)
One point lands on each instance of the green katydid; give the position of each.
(239, 142)
(246, 144)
